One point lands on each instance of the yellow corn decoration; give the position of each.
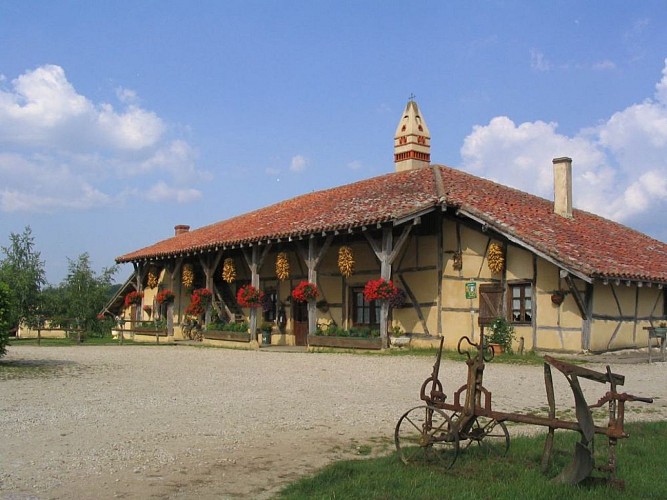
(282, 266)
(496, 260)
(152, 277)
(228, 270)
(188, 276)
(345, 261)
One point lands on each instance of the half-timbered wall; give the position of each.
(597, 317)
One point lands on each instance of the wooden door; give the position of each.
(490, 303)
(300, 322)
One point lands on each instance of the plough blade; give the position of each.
(580, 468)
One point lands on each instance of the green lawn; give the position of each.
(87, 340)
(641, 464)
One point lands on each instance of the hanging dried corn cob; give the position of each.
(345, 261)
(228, 270)
(495, 258)
(152, 277)
(282, 266)
(457, 261)
(188, 276)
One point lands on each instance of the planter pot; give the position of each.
(557, 298)
(399, 341)
(344, 342)
(148, 331)
(497, 349)
(225, 335)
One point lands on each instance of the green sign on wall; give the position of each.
(471, 290)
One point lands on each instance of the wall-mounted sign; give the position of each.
(471, 290)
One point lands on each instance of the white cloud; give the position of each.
(298, 163)
(661, 87)
(59, 147)
(538, 61)
(619, 166)
(604, 65)
(35, 184)
(355, 165)
(162, 192)
(135, 129)
(126, 96)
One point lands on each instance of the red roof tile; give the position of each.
(587, 244)
(371, 201)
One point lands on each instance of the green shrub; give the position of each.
(502, 333)
(357, 332)
(4, 318)
(228, 327)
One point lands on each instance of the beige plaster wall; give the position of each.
(554, 328)
(519, 264)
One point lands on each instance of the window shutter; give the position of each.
(490, 303)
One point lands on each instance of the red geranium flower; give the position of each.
(379, 290)
(133, 298)
(249, 296)
(305, 291)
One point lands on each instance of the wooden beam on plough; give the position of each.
(438, 431)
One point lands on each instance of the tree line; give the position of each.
(26, 298)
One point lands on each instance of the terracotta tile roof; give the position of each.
(587, 244)
(367, 202)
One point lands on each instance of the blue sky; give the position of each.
(119, 120)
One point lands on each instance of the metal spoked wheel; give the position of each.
(426, 435)
(488, 436)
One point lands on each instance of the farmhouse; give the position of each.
(462, 251)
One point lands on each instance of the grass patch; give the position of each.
(49, 342)
(528, 358)
(640, 460)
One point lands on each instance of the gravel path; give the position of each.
(185, 422)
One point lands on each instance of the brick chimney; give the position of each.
(563, 186)
(181, 228)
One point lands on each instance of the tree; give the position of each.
(84, 293)
(4, 318)
(23, 272)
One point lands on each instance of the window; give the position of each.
(364, 313)
(521, 302)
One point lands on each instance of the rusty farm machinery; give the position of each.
(438, 431)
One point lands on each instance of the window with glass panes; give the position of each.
(364, 313)
(521, 302)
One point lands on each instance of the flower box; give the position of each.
(226, 335)
(344, 342)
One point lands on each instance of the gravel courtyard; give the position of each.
(188, 422)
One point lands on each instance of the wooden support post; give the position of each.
(255, 261)
(139, 272)
(312, 258)
(170, 320)
(209, 265)
(386, 253)
(177, 292)
(585, 306)
(440, 265)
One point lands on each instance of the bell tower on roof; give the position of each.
(412, 141)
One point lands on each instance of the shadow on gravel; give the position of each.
(34, 368)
